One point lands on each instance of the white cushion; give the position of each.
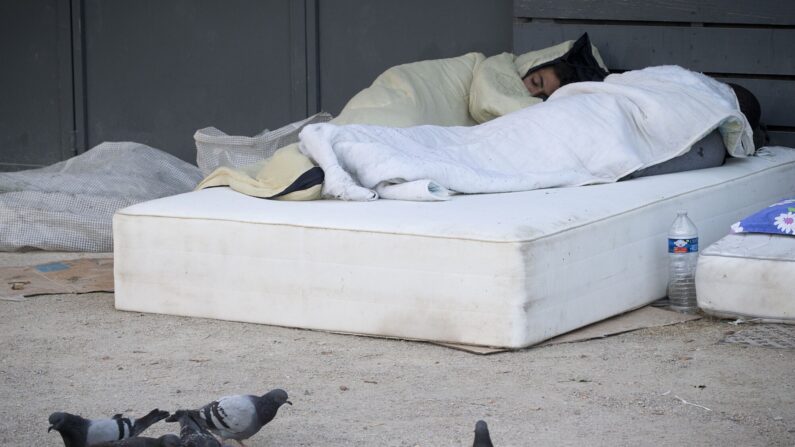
(748, 275)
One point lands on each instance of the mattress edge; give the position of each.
(786, 165)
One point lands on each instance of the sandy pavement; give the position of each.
(77, 353)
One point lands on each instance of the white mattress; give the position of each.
(748, 275)
(506, 270)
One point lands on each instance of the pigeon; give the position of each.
(140, 441)
(482, 438)
(239, 417)
(79, 432)
(193, 430)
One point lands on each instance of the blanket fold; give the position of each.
(418, 190)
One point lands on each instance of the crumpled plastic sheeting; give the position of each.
(69, 206)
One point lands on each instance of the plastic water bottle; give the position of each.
(682, 259)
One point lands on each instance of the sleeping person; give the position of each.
(472, 91)
(585, 133)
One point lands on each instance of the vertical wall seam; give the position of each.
(298, 68)
(65, 92)
(313, 104)
(79, 124)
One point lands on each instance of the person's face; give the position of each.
(542, 82)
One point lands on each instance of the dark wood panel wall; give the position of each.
(748, 42)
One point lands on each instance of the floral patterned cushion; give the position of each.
(778, 218)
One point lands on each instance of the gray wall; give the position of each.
(155, 71)
(36, 119)
(359, 40)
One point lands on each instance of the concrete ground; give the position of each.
(76, 353)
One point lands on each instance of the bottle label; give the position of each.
(683, 245)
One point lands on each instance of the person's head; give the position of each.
(542, 82)
(578, 64)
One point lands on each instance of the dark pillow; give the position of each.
(580, 61)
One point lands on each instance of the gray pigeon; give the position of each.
(80, 432)
(239, 417)
(140, 441)
(193, 430)
(482, 438)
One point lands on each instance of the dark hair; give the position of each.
(564, 72)
(578, 64)
(750, 107)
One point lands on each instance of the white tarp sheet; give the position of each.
(69, 206)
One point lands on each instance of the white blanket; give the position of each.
(586, 133)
